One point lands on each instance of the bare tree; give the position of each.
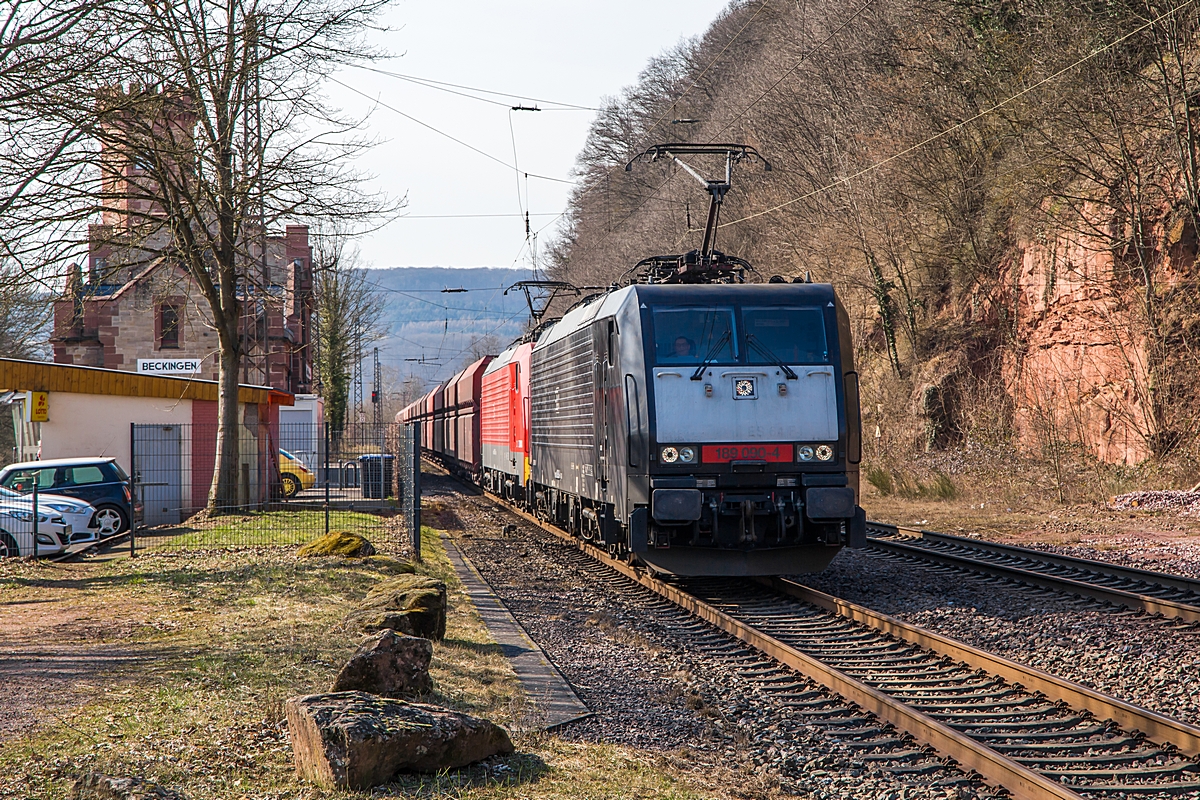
(349, 310)
(212, 130)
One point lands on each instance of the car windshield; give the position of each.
(692, 335)
(785, 335)
(286, 454)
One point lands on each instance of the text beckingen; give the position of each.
(174, 366)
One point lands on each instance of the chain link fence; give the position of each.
(294, 482)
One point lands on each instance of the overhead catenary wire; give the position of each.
(960, 125)
(654, 193)
(434, 84)
(440, 132)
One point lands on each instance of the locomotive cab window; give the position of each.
(785, 335)
(692, 335)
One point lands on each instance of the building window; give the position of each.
(168, 326)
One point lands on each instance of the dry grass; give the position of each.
(216, 641)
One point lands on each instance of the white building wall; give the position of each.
(99, 425)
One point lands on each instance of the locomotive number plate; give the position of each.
(724, 453)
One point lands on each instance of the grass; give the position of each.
(217, 640)
(895, 481)
(261, 528)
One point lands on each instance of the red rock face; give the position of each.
(1079, 372)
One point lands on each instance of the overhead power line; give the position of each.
(440, 132)
(448, 87)
(958, 126)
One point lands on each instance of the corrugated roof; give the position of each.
(43, 376)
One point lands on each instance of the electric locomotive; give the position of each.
(701, 430)
(695, 423)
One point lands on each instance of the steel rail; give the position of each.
(1156, 727)
(1112, 570)
(1020, 781)
(1120, 597)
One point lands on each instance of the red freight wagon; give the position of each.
(505, 422)
(463, 420)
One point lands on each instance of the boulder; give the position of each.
(412, 604)
(356, 740)
(392, 565)
(337, 543)
(94, 786)
(388, 664)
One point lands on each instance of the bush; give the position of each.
(905, 485)
(881, 479)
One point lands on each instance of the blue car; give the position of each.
(98, 481)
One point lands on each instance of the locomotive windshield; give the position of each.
(693, 335)
(785, 335)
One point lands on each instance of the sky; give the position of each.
(533, 51)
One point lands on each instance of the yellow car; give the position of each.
(294, 477)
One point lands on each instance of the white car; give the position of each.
(80, 515)
(16, 530)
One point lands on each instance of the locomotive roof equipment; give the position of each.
(706, 265)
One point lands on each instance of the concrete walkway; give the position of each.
(554, 703)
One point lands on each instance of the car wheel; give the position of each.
(111, 521)
(289, 485)
(8, 546)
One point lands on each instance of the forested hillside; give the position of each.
(1006, 194)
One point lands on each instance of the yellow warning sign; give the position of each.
(39, 406)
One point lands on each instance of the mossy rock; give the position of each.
(337, 543)
(412, 604)
(388, 564)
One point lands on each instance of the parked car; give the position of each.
(78, 514)
(98, 481)
(16, 530)
(294, 477)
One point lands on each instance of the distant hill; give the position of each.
(443, 328)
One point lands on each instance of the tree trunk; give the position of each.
(223, 494)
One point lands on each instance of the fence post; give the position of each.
(133, 489)
(37, 478)
(326, 471)
(413, 496)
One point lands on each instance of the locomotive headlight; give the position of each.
(824, 452)
(804, 453)
(687, 454)
(670, 455)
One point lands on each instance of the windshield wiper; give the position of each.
(774, 359)
(712, 354)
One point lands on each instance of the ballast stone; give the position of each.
(356, 740)
(388, 664)
(412, 604)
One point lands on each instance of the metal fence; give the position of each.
(293, 482)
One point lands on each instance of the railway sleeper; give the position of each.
(1120, 744)
(1062, 725)
(1140, 788)
(1112, 758)
(1014, 736)
(1026, 704)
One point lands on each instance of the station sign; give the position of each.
(169, 366)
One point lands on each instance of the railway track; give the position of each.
(1171, 596)
(1033, 734)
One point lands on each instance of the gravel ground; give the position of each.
(649, 684)
(1149, 662)
(1179, 501)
